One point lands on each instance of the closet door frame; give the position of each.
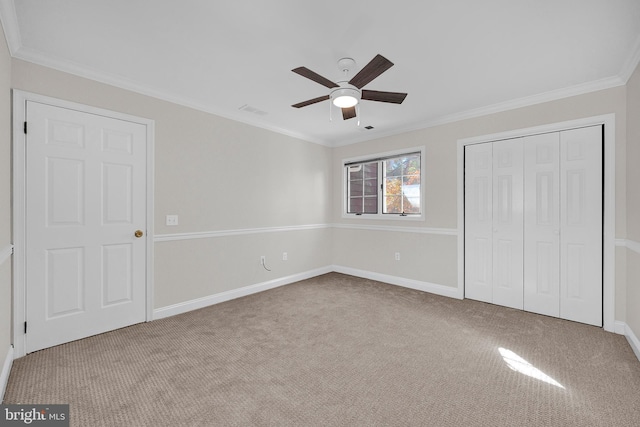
(609, 173)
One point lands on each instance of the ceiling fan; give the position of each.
(347, 94)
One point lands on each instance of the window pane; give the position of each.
(411, 193)
(402, 184)
(393, 167)
(411, 205)
(362, 188)
(355, 187)
(371, 187)
(393, 186)
(371, 170)
(411, 165)
(355, 172)
(370, 205)
(393, 204)
(355, 205)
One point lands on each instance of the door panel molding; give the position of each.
(542, 224)
(608, 120)
(20, 98)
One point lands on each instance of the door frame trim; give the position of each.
(609, 201)
(18, 188)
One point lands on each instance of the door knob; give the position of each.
(138, 233)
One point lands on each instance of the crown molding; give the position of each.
(631, 63)
(70, 67)
(39, 58)
(554, 95)
(9, 21)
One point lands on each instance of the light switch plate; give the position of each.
(172, 219)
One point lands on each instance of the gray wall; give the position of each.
(633, 203)
(5, 197)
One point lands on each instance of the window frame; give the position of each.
(379, 157)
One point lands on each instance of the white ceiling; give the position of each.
(455, 58)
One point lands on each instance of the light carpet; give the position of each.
(337, 350)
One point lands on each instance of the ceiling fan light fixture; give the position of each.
(345, 97)
(345, 101)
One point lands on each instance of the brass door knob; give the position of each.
(138, 233)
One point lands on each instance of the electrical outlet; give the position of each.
(397, 256)
(172, 219)
(284, 256)
(263, 260)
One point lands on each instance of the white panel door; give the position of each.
(508, 202)
(85, 199)
(478, 222)
(542, 224)
(581, 225)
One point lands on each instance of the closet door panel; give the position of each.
(542, 224)
(581, 225)
(507, 223)
(478, 222)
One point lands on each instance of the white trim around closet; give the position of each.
(608, 120)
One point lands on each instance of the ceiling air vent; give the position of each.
(248, 108)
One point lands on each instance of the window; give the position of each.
(384, 186)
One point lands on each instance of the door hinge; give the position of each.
(25, 128)
(25, 327)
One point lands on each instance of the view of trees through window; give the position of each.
(402, 185)
(389, 185)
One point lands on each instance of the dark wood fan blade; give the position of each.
(373, 69)
(305, 72)
(376, 95)
(348, 113)
(311, 101)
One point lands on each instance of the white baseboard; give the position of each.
(433, 288)
(622, 328)
(633, 340)
(183, 307)
(6, 370)
(619, 327)
(195, 304)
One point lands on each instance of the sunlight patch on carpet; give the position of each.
(518, 364)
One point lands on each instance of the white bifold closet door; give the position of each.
(478, 228)
(508, 199)
(542, 224)
(533, 223)
(581, 190)
(493, 223)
